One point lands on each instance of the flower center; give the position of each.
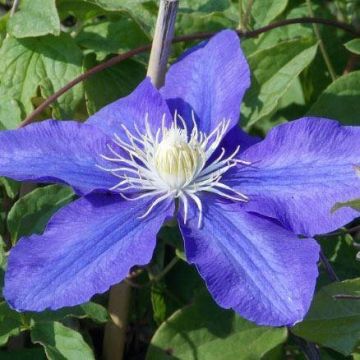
(177, 160)
(172, 163)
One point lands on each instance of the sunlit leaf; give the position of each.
(46, 63)
(108, 37)
(331, 322)
(112, 84)
(10, 323)
(354, 204)
(273, 72)
(90, 310)
(353, 46)
(203, 331)
(31, 212)
(273, 9)
(61, 342)
(35, 18)
(340, 100)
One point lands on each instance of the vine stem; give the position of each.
(309, 349)
(119, 299)
(324, 53)
(328, 267)
(198, 36)
(156, 278)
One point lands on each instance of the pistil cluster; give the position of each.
(172, 163)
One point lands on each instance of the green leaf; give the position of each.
(108, 37)
(12, 187)
(273, 72)
(353, 46)
(340, 100)
(3, 23)
(283, 33)
(266, 11)
(10, 113)
(341, 253)
(112, 84)
(204, 6)
(94, 311)
(203, 15)
(158, 301)
(35, 18)
(80, 9)
(31, 213)
(10, 323)
(332, 322)
(25, 354)
(354, 204)
(172, 236)
(46, 63)
(61, 342)
(200, 22)
(3, 258)
(203, 331)
(90, 310)
(142, 11)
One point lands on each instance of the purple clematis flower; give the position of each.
(242, 202)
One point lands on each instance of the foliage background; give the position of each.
(48, 43)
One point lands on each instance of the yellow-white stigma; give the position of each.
(172, 163)
(176, 159)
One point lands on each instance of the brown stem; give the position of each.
(352, 63)
(328, 267)
(198, 36)
(346, 297)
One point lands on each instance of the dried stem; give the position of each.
(14, 7)
(164, 33)
(117, 59)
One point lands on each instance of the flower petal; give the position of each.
(210, 80)
(144, 101)
(88, 246)
(56, 151)
(299, 172)
(251, 264)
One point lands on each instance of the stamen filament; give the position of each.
(172, 163)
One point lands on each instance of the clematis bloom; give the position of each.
(243, 203)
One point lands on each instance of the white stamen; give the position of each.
(172, 162)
